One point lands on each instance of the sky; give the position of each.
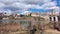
(26, 6)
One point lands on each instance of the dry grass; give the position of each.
(10, 27)
(13, 28)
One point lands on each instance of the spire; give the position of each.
(52, 12)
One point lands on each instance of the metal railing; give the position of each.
(29, 24)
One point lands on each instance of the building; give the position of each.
(35, 14)
(50, 16)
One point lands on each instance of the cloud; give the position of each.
(2, 5)
(49, 5)
(36, 1)
(5, 11)
(57, 9)
(26, 12)
(23, 5)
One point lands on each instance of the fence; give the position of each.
(27, 25)
(24, 23)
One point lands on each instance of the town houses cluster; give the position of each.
(48, 15)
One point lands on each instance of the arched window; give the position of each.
(58, 18)
(50, 18)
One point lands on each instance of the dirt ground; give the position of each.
(17, 32)
(49, 31)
